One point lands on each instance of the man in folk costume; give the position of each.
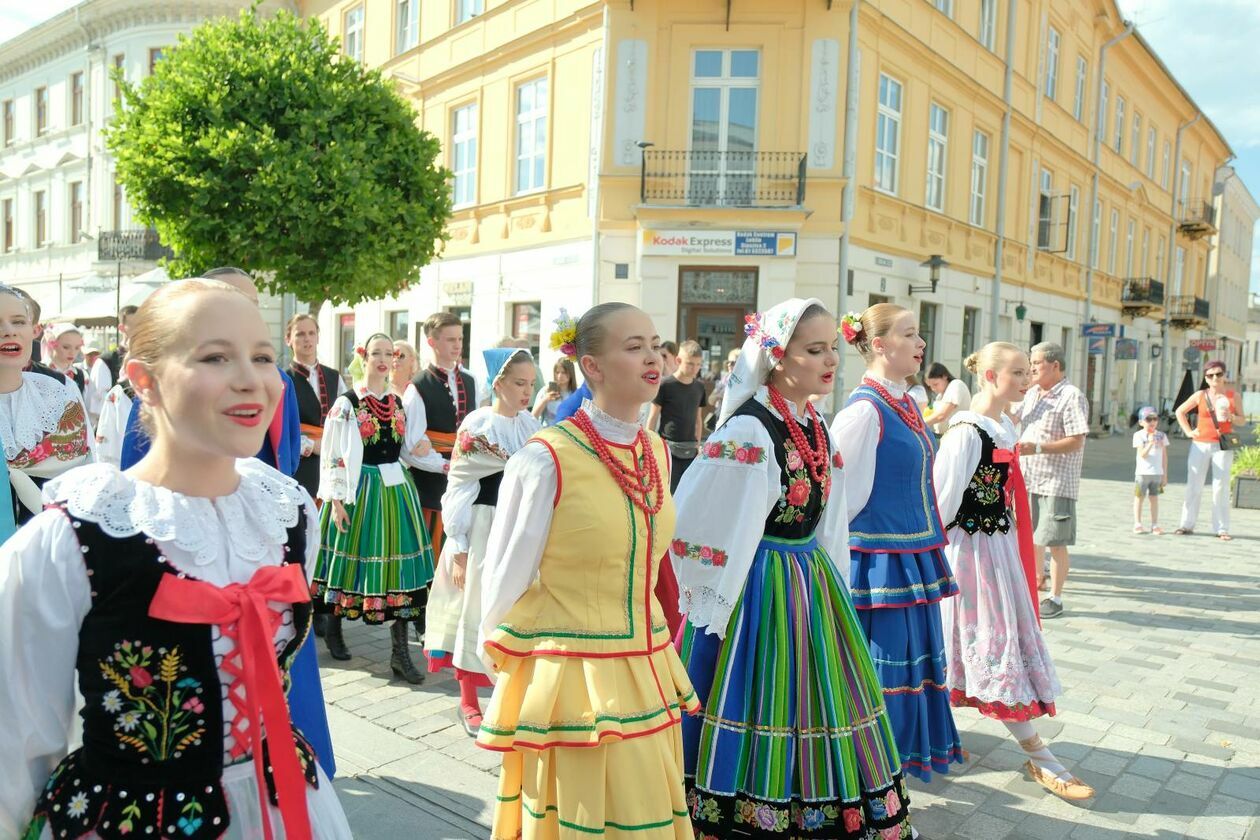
(316, 386)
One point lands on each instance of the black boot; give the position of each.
(400, 659)
(334, 641)
(319, 624)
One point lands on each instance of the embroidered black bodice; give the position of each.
(381, 432)
(153, 727)
(801, 502)
(983, 507)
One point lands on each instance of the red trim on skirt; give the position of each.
(1000, 711)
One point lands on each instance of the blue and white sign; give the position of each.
(1097, 330)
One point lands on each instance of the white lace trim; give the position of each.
(617, 431)
(705, 608)
(32, 412)
(247, 524)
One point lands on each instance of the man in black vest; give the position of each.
(316, 387)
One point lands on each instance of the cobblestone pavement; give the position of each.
(1158, 652)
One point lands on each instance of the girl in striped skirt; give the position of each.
(793, 740)
(375, 561)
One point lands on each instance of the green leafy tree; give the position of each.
(255, 143)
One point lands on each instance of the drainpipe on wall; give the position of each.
(599, 162)
(89, 203)
(1096, 241)
(848, 172)
(995, 299)
(1169, 268)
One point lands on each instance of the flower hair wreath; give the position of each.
(851, 328)
(361, 351)
(564, 337)
(754, 330)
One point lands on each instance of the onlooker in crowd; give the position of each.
(719, 386)
(1151, 476)
(563, 383)
(951, 395)
(669, 356)
(917, 392)
(1219, 410)
(677, 406)
(113, 359)
(1055, 418)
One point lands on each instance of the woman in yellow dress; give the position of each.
(589, 692)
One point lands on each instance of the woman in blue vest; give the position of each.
(898, 569)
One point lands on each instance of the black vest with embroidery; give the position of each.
(801, 503)
(983, 507)
(382, 442)
(311, 413)
(440, 415)
(153, 728)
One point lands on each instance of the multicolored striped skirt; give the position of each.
(794, 741)
(378, 570)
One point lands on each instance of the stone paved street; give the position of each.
(1158, 652)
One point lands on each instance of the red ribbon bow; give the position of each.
(1017, 497)
(242, 611)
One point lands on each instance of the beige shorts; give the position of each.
(1054, 520)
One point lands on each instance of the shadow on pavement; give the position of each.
(381, 808)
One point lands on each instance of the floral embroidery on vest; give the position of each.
(467, 444)
(157, 712)
(794, 495)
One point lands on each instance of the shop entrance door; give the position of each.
(712, 303)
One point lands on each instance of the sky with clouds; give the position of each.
(1209, 45)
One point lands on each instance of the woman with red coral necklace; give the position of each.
(899, 572)
(794, 741)
(588, 691)
(375, 562)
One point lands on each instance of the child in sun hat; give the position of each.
(1151, 470)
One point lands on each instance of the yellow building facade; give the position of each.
(688, 156)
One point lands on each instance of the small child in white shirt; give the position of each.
(1152, 468)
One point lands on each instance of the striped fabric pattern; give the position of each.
(379, 568)
(794, 740)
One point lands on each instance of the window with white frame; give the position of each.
(988, 24)
(1051, 87)
(1183, 189)
(352, 33)
(1145, 264)
(466, 10)
(1045, 211)
(1113, 240)
(41, 110)
(41, 218)
(6, 218)
(1135, 141)
(1150, 151)
(937, 156)
(887, 134)
(1118, 137)
(464, 154)
(1165, 165)
(1179, 270)
(75, 201)
(1128, 249)
(1082, 79)
(531, 135)
(1094, 245)
(1160, 251)
(725, 90)
(979, 176)
(1103, 112)
(406, 25)
(1074, 205)
(945, 7)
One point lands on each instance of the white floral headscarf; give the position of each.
(768, 334)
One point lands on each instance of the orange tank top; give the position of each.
(1208, 431)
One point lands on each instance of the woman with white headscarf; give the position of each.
(793, 740)
(483, 444)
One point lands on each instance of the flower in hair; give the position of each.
(851, 327)
(564, 337)
(754, 330)
(361, 351)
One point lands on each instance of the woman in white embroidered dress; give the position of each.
(197, 511)
(483, 444)
(43, 421)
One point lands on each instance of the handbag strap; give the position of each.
(1211, 410)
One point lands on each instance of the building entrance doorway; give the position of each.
(712, 304)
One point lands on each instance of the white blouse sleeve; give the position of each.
(417, 426)
(833, 528)
(956, 463)
(340, 454)
(44, 596)
(313, 534)
(522, 521)
(856, 432)
(467, 470)
(722, 504)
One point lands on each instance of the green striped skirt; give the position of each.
(794, 740)
(378, 570)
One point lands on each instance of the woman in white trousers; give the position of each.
(1219, 411)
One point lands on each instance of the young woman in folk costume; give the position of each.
(376, 562)
(997, 659)
(589, 691)
(43, 422)
(177, 592)
(483, 444)
(793, 741)
(898, 570)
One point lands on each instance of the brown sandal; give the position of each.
(1182, 532)
(1072, 788)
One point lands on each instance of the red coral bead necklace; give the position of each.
(815, 457)
(636, 481)
(383, 410)
(910, 416)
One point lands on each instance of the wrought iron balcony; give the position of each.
(137, 244)
(722, 179)
(1198, 219)
(1141, 295)
(1188, 310)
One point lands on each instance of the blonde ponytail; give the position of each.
(990, 356)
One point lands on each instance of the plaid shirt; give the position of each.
(1049, 416)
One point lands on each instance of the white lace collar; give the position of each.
(617, 431)
(31, 413)
(248, 523)
(897, 389)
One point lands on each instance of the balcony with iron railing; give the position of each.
(1141, 295)
(129, 245)
(739, 179)
(1197, 219)
(1188, 311)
